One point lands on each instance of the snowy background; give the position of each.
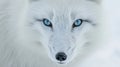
(112, 10)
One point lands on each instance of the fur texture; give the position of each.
(27, 42)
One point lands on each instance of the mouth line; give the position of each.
(61, 62)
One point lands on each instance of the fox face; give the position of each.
(63, 26)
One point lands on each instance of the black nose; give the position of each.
(61, 56)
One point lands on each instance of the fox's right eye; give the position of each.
(46, 22)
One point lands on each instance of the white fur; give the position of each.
(25, 42)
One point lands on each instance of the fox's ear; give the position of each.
(97, 1)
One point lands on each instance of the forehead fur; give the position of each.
(81, 7)
(66, 3)
(96, 1)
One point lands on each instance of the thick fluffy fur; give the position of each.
(25, 42)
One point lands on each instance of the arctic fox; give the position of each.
(49, 33)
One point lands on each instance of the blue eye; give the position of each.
(46, 22)
(77, 23)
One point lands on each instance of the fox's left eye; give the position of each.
(77, 23)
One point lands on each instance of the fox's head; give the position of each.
(64, 27)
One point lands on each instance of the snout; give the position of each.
(61, 56)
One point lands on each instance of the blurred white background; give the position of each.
(112, 8)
